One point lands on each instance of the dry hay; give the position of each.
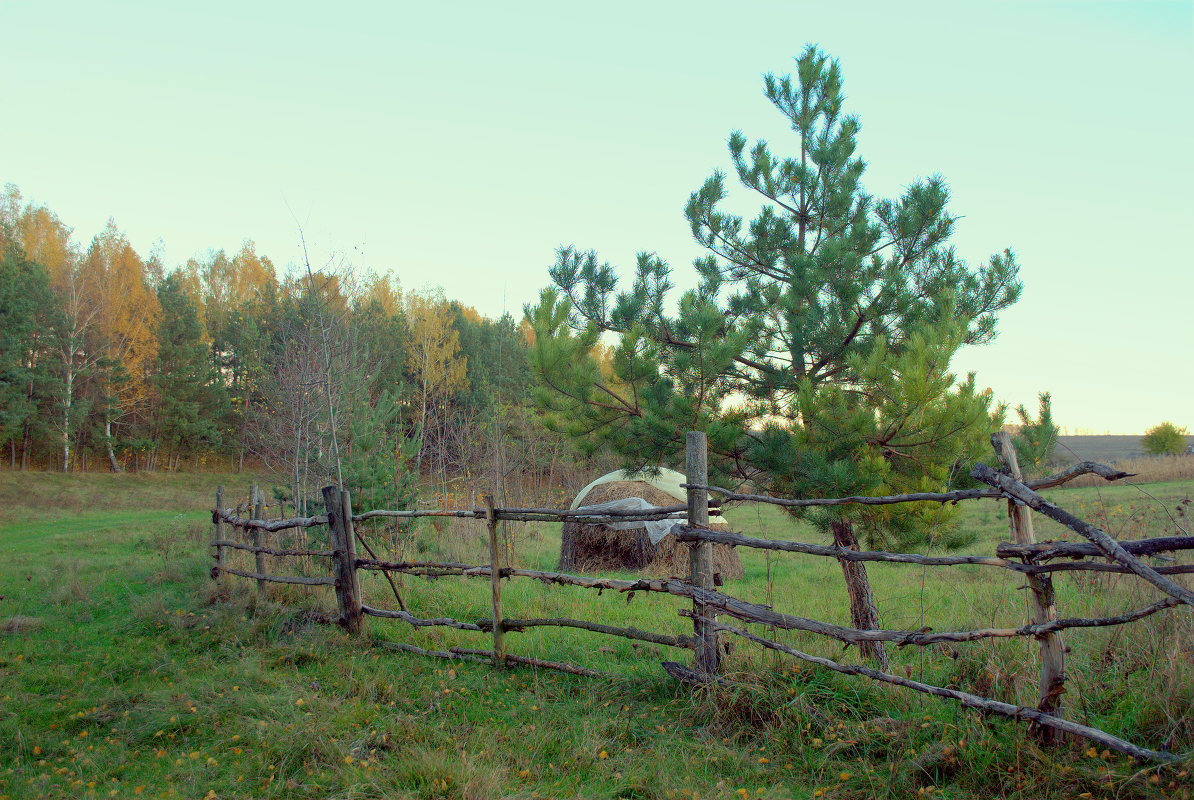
(590, 547)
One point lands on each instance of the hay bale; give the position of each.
(591, 547)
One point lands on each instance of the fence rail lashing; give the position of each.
(1042, 551)
(965, 698)
(296, 579)
(747, 612)
(520, 625)
(268, 525)
(1099, 566)
(762, 615)
(685, 533)
(402, 566)
(1113, 549)
(925, 636)
(419, 622)
(269, 550)
(524, 515)
(1050, 482)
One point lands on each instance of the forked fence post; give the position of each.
(1040, 585)
(255, 535)
(344, 559)
(700, 553)
(221, 553)
(495, 585)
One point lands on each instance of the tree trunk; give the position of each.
(25, 434)
(113, 464)
(863, 613)
(70, 385)
(244, 415)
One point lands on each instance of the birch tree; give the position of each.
(434, 359)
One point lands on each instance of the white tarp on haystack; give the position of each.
(667, 480)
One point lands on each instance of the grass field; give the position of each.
(124, 672)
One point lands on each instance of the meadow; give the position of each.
(126, 672)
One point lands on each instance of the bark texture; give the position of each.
(863, 613)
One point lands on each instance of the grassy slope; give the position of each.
(123, 673)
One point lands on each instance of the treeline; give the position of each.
(110, 360)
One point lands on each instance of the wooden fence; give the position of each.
(1035, 561)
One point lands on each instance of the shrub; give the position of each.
(1165, 439)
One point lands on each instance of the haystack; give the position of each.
(590, 547)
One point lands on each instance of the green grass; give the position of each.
(122, 666)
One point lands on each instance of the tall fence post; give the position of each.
(348, 587)
(255, 536)
(221, 553)
(700, 553)
(1040, 585)
(495, 585)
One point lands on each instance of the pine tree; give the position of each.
(1037, 438)
(30, 320)
(815, 351)
(192, 401)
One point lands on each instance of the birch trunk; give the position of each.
(113, 464)
(66, 406)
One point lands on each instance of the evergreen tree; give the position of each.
(381, 334)
(496, 362)
(241, 346)
(814, 353)
(192, 399)
(378, 468)
(30, 319)
(1037, 438)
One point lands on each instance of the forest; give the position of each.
(111, 360)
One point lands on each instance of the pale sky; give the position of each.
(458, 144)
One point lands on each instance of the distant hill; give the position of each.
(1105, 449)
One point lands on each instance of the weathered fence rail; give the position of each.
(1025, 557)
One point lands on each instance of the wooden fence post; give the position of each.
(221, 553)
(1040, 586)
(344, 563)
(255, 536)
(700, 553)
(495, 585)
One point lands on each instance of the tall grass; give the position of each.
(1146, 469)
